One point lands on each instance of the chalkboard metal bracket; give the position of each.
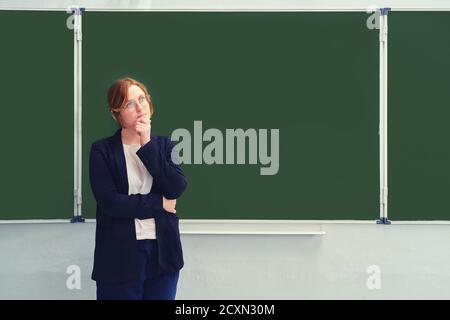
(77, 219)
(75, 23)
(383, 220)
(76, 10)
(77, 216)
(383, 112)
(384, 11)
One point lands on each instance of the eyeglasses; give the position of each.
(130, 105)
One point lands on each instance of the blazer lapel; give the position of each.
(119, 157)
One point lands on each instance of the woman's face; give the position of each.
(135, 106)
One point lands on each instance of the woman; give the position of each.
(135, 178)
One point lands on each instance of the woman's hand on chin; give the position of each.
(143, 128)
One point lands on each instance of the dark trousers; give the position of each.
(149, 286)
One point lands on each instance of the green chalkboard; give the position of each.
(419, 113)
(36, 85)
(313, 76)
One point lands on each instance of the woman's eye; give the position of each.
(142, 100)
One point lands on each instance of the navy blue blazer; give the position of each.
(116, 250)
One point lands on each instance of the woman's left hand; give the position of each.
(143, 128)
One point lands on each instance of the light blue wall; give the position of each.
(414, 261)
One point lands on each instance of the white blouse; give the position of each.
(139, 182)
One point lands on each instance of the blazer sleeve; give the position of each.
(116, 204)
(157, 158)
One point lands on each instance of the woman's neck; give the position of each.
(130, 136)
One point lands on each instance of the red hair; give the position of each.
(118, 95)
